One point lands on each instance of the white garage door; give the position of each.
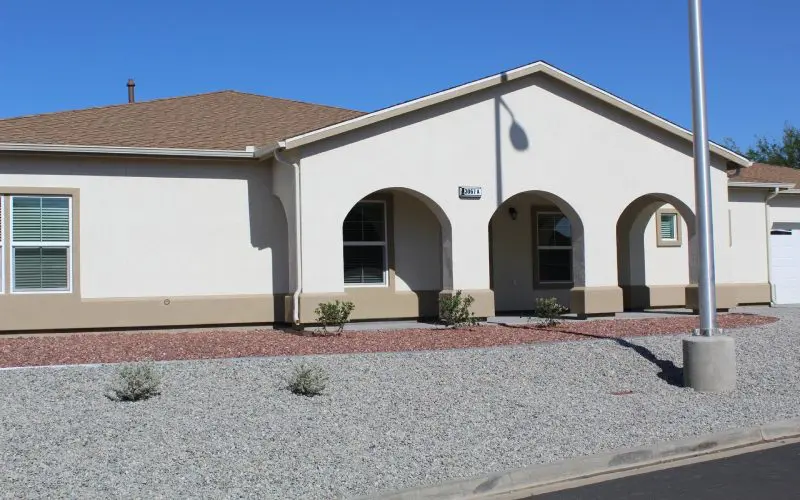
(785, 262)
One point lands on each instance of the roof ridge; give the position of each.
(286, 99)
(127, 104)
(174, 98)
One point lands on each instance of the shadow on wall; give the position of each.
(516, 135)
(269, 230)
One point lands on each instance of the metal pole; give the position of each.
(706, 293)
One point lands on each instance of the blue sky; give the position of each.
(367, 55)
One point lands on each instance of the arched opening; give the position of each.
(397, 254)
(656, 252)
(536, 250)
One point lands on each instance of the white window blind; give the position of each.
(364, 237)
(41, 243)
(668, 230)
(554, 247)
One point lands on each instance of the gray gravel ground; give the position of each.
(228, 429)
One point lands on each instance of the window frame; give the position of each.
(69, 245)
(384, 244)
(676, 217)
(538, 248)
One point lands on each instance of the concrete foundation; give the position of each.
(709, 363)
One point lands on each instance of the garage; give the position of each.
(785, 262)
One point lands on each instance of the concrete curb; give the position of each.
(505, 483)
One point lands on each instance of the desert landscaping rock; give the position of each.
(228, 428)
(242, 342)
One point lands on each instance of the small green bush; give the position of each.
(307, 380)
(454, 310)
(549, 311)
(336, 313)
(135, 382)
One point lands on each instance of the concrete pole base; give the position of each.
(709, 363)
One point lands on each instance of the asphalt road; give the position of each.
(763, 475)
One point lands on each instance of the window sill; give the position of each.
(41, 292)
(553, 285)
(367, 285)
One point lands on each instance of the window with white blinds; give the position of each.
(668, 230)
(41, 243)
(364, 236)
(553, 247)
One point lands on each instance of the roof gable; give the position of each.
(236, 124)
(493, 81)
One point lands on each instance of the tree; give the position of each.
(786, 152)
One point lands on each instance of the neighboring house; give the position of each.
(764, 210)
(231, 208)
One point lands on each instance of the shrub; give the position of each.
(549, 311)
(454, 310)
(307, 380)
(134, 382)
(335, 313)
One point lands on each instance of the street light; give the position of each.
(709, 360)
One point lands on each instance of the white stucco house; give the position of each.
(231, 208)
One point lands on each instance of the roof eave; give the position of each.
(761, 185)
(248, 152)
(492, 81)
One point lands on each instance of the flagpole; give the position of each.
(706, 293)
(709, 360)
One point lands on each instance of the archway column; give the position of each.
(470, 265)
(596, 290)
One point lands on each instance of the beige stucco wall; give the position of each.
(168, 229)
(785, 208)
(749, 235)
(512, 257)
(665, 265)
(532, 134)
(417, 245)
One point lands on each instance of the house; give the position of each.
(231, 208)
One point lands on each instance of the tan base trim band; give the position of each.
(483, 306)
(595, 300)
(732, 294)
(754, 293)
(384, 303)
(653, 296)
(66, 312)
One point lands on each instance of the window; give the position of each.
(553, 247)
(668, 231)
(364, 235)
(41, 243)
(668, 228)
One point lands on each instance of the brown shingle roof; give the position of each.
(217, 120)
(761, 172)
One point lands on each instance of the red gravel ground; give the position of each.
(132, 346)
